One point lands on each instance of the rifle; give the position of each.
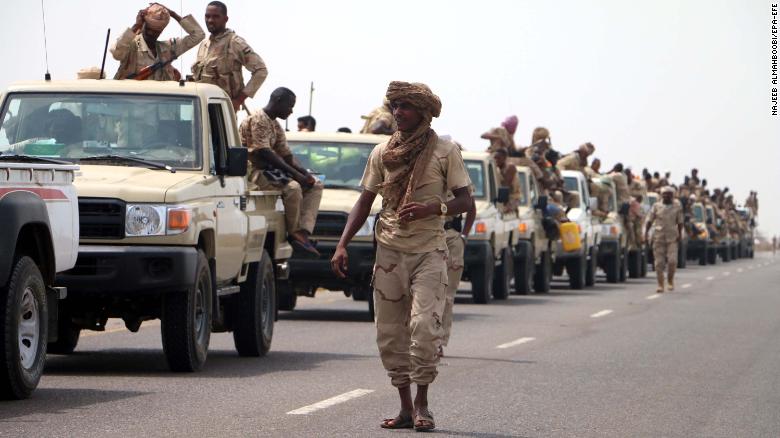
(149, 70)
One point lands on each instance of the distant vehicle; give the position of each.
(580, 264)
(613, 246)
(39, 238)
(534, 252)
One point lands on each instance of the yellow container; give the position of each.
(570, 236)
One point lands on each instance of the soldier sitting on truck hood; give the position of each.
(273, 167)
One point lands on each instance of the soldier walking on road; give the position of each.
(666, 217)
(138, 48)
(223, 54)
(413, 171)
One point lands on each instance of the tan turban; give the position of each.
(157, 17)
(90, 73)
(667, 189)
(410, 150)
(587, 148)
(539, 134)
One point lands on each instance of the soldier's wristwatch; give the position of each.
(443, 209)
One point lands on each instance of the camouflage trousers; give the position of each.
(664, 253)
(455, 246)
(409, 300)
(300, 205)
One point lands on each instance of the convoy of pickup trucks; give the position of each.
(161, 223)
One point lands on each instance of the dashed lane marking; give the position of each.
(710, 278)
(686, 285)
(740, 270)
(604, 312)
(726, 274)
(652, 297)
(347, 396)
(516, 342)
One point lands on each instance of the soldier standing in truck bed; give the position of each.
(223, 54)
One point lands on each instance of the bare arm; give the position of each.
(415, 210)
(357, 217)
(471, 215)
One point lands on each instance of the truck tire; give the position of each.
(543, 274)
(591, 266)
(254, 326)
(576, 269)
(623, 266)
(23, 330)
(67, 336)
(682, 255)
(524, 271)
(644, 262)
(712, 256)
(612, 268)
(503, 276)
(482, 281)
(286, 297)
(634, 266)
(725, 254)
(703, 255)
(186, 322)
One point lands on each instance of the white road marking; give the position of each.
(652, 297)
(604, 312)
(740, 270)
(710, 278)
(726, 274)
(516, 342)
(331, 402)
(686, 285)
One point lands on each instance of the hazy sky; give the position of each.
(666, 85)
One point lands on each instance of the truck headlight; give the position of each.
(368, 227)
(156, 220)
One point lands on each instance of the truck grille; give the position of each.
(330, 223)
(101, 218)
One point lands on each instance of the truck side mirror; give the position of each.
(503, 195)
(541, 203)
(236, 161)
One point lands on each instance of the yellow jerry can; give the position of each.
(570, 236)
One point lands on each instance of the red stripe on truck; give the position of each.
(45, 194)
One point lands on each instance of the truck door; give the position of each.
(231, 220)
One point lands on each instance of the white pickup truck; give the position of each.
(580, 264)
(39, 238)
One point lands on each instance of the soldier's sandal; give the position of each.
(402, 421)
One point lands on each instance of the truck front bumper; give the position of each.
(131, 269)
(317, 271)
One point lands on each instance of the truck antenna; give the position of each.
(105, 49)
(311, 95)
(47, 76)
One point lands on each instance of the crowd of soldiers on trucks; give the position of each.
(222, 56)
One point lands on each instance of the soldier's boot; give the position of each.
(660, 275)
(672, 270)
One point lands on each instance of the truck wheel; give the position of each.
(503, 276)
(623, 266)
(576, 269)
(524, 271)
(712, 256)
(726, 254)
(67, 336)
(254, 328)
(286, 297)
(23, 330)
(682, 255)
(482, 281)
(703, 255)
(543, 274)
(612, 268)
(634, 260)
(643, 263)
(186, 322)
(591, 265)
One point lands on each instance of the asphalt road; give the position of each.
(609, 361)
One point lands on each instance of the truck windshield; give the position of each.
(73, 126)
(477, 176)
(339, 164)
(698, 213)
(570, 184)
(523, 179)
